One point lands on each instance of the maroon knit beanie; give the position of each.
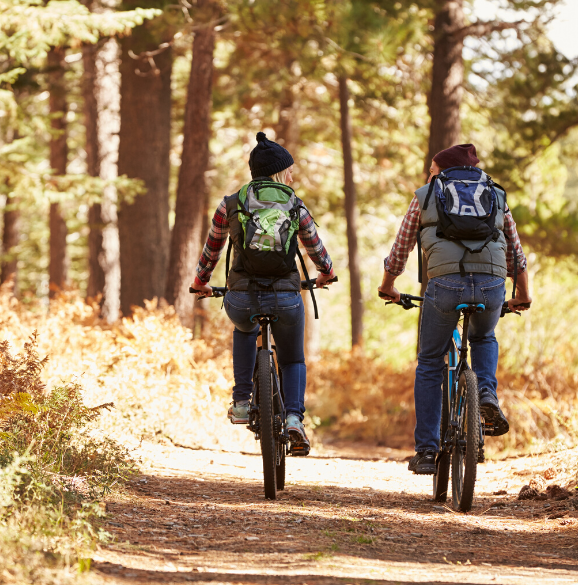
(460, 155)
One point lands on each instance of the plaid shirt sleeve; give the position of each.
(514, 245)
(312, 242)
(214, 246)
(405, 240)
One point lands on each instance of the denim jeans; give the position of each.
(288, 332)
(439, 319)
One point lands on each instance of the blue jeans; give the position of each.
(438, 321)
(288, 331)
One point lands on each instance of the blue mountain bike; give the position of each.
(462, 428)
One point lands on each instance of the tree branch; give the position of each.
(480, 29)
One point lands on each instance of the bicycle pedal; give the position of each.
(299, 450)
(481, 456)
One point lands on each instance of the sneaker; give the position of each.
(300, 446)
(239, 412)
(423, 463)
(492, 414)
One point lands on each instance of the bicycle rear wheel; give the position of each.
(280, 471)
(267, 424)
(442, 477)
(465, 450)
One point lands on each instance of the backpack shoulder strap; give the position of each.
(228, 260)
(429, 192)
(309, 282)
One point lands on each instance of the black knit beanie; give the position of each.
(268, 158)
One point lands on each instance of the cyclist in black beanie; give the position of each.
(278, 291)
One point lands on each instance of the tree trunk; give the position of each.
(108, 98)
(10, 239)
(446, 92)
(447, 79)
(192, 187)
(58, 162)
(95, 285)
(144, 148)
(351, 217)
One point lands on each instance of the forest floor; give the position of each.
(347, 515)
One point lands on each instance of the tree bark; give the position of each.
(144, 148)
(447, 90)
(58, 162)
(96, 277)
(287, 134)
(192, 186)
(351, 217)
(10, 239)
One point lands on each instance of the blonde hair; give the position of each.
(280, 177)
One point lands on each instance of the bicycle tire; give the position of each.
(267, 424)
(280, 471)
(442, 477)
(465, 455)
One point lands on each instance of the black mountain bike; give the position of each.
(267, 417)
(462, 429)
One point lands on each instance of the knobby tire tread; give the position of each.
(280, 471)
(442, 477)
(267, 425)
(462, 501)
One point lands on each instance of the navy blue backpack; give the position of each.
(467, 204)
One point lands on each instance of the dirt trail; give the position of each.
(200, 516)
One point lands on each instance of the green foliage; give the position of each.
(53, 430)
(30, 27)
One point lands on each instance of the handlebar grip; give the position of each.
(305, 285)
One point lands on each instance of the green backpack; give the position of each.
(269, 215)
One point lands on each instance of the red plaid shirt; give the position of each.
(220, 231)
(407, 237)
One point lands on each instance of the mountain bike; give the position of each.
(267, 417)
(462, 428)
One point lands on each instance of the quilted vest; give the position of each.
(443, 256)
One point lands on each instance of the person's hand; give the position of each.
(391, 292)
(514, 304)
(202, 290)
(387, 287)
(323, 279)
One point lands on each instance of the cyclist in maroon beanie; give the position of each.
(456, 276)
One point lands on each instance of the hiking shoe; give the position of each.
(492, 414)
(423, 463)
(239, 412)
(300, 446)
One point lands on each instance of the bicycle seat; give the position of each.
(471, 307)
(259, 316)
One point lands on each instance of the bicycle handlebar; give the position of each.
(405, 301)
(220, 291)
(506, 309)
(313, 282)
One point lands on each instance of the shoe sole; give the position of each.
(492, 415)
(429, 469)
(300, 447)
(238, 421)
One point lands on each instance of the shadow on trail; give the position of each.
(130, 575)
(228, 520)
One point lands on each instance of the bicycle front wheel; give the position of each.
(267, 424)
(465, 449)
(442, 477)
